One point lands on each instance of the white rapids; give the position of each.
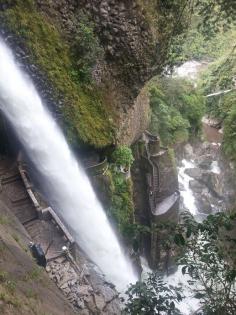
(186, 193)
(69, 190)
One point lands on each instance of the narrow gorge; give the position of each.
(117, 157)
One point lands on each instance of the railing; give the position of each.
(44, 213)
(98, 169)
(28, 187)
(163, 207)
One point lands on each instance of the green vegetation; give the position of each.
(122, 156)
(4, 220)
(193, 45)
(9, 299)
(229, 143)
(208, 257)
(218, 77)
(122, 207)
(177, 109)
(209, 31)
(34, 274)
(7, 290)
(216, 15)
(31, 294)
(85, 112)
(152, 296)
(87, 47)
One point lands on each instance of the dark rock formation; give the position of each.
(131, 55)
(134, 49)
(85, 288)
(156, 193)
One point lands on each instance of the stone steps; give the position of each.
(24, 212)
(11, 178)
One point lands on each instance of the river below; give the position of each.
(200, 184)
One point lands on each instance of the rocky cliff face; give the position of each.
(125, 47)
(24, 287)
(131, 56)
(156, 195)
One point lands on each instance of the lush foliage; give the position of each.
(209, 260)
(152, 296)
(86, 48)
(193, 45)
(85, 112)
(122, 156)
(229, 143)
(219, 77)
(177, 109)
(121, 210)
(217, 14)
(209, 32)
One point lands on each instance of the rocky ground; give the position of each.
(80, 286)
(84, 288)
(212, 180)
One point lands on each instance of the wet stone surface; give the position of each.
(88, 292)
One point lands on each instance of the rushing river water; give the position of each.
(189, 305)
(66, 185)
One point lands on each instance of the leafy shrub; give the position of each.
(208, 257)
(86, 47)
(177, 109)
(219, 77)
(152, 296)
(220, 73)
(121, 210)
(229, 140)
(122, 156)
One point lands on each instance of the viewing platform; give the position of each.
(40, 221)
(163, 201)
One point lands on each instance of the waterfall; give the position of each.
(69, 190)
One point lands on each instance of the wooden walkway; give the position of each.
(15, 195)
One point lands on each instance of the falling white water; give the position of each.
(215, 167)
(69, 190)
(190, 304)
(187, 194)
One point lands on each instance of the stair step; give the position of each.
(10, 179)
(25, 214)
(21, 201)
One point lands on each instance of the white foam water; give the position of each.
(187, 194)
(69, 190)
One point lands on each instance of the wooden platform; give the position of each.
(14, 193)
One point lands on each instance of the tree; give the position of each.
(209, 259)
(216, 14)
(152, 296)
(122, 156)
(177, 109)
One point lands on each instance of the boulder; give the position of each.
(203, 204)
(188, 150)
(194, 172)
(204, 161)
(213, 182)
(196, 186)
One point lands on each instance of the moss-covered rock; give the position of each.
(84, 109)
(177, 109)
(121, 209)
(96, 55)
